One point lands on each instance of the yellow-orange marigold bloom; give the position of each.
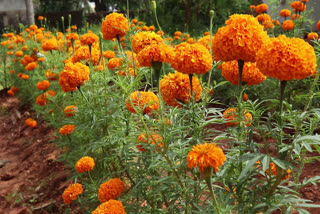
(114, 63)
(50, 44)
(40, 18)
(85, 164)
(143, 39)
(250, 73)
(252, 7)
(288, 25)
(51, 76)
(24, 48)
(74, 27)
(154, 138)
(66, 129)
(111, 189)
(24, 76)
(41, 59)
(89, 38)
(286, 58)
(73, 76)
(133, 21)
(19, 53)
(71, 193)
(73, 36)
(175, 88)
(205, 41)
(261, 8)
(240, 39)
(14, 89)
(285, 13)
(43, 85)
(110, 207)
(191, 58)
(114, 25)
(231, 116)
(31, 66)
(109, 54)
(27, 59)
(263, 17)
(69, 111)
(318, 25)
(177, 33)
(245, 97)
(83, 53)
(276, 22)
(133, 72)
(153, 53)
(312, 36)
(10, 92)
(50, 93)
(42, 100)
(31, 122)
(295, 16)
(206, 155)
(145, 102)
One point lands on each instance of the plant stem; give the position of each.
(85, 98)
(283, 84)
(209, 184)
(210, 44)
(240, 68)
(310, 96)
(154, 9)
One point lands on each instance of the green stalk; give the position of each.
(209, 184)
(119, 44)
(154, 9)
(62, 20)
(310, 96)
(101, 48)
(156, 71)
(85, 98)
(5, 72)
(283, 84)
(210, 44)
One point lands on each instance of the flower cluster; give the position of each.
(42, 100)
(71, 193)
(175, 88)
(50, 44)
(67, 129)
(110, 207)
(153, 53)
(114, 25)
(73, 76)
(111, 189)
(85, 164)
(206, 155)
(89, 38)
(143, 39)
(142, 101)
(43, 85)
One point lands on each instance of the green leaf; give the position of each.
(249, 165)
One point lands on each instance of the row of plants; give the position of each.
(151, 123)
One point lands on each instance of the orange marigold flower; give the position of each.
(19, 53)
(285, 13)
(276, 22)
(207, 33)
(50, 44)
(288, 25)
(190, 41)
(131, 71)
(245, 97)
(273, 170)
(9, 53)
(83, 53)
(295, 16)
(233, 42)
(109, 54)
(313, 36)
(263, 17)
(73, 76)
(31, 122)
(24, 48)
(71, 193)
(143, 39)
(191, 58)
(10, 92)
(114, 63)
(250, 73)
(41, 59)
(175, 88)
(40, 18)
(24, 76)
(152, 28)
(51, 76)
(205, 41)
(206, 155)
(74, 27)
(31, 66)
(89, 38)
(111, 189)
(43, 85)
(85, 164)
(231, 116)
(110, 207)
(14, 89)
(50, 93)
(286, 58)
(133, 21)
(252, 7)
(142, 101)
(261, 8)
(177, 33)
(66, 129)
(69, 111)
(27, 59)
(176, 38)
(154, 138)
(153, 53)
(73, 36)
(42, 100)
(114, 25)
(295, 4)
(318, 25)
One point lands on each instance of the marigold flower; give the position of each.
(261, 8)
(250, 73)
(143, 101)
(42, 100)
(114, 63)
(43, 85)
(31, 66)
(110, 207)
(177, 33)
(83, 53)
(89, 38)
(73, 36)
(74, 27)
(51, 76)
(31, 122)
(245, 97)
(252, 7)
(128, 71)
(285, 13)
(133, 21)
(24, 76)
(41, 59)
(69, 111)
(286, 58)
(154, 138)
(111, 189)
(191, 58)
(85, 164)
(231, 115)
(40, 18)
(73, 76)
(50, 44)
(240, 39)
(263, 17)
(66, 129)
(312, 36)
(273, 170)
(206, 155)
(109, 54)
(14, 89)
(10, 92)
(153, 53)
(175, 88)
(50, 93)
(71, 193)
(143, 39)
(276, 22)
(19, 53)
(288, 25)
(114, 25)
(318, 25)
(295, 16)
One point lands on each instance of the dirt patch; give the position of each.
(31, 178)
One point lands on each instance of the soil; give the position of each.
(32, 179)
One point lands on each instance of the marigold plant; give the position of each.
(312, 36)
(111, 189)
(50, 44)
(72, 192)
